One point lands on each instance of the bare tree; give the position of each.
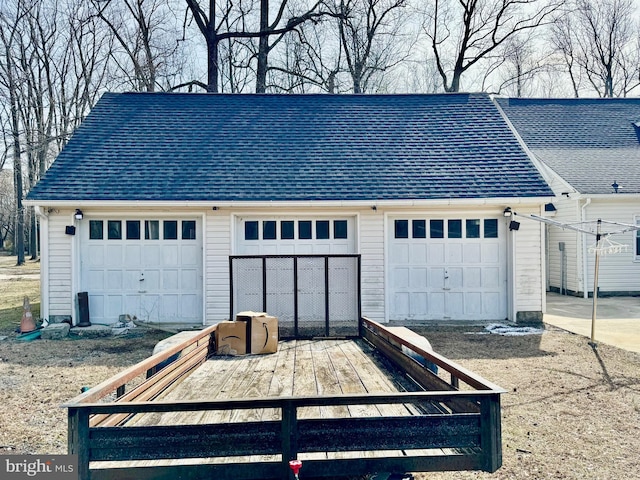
(369, 30)
(11, 17)
(81, 67)
(464, 32)
(598, 42)
(37, 47)
(47, 77)
(146, 34)
(311, 60)
(523, 59)
(7, 207)
(214, 32)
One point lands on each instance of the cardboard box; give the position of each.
(231, 338)
(262, 332)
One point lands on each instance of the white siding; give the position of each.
(529, 257)
(371, 235)
(58, 283)
(619, 272)
(217, 251)
(568, 211)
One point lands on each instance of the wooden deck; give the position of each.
(300, 368)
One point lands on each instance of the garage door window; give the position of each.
(96, 230)
(455, 228)
(473, 228)
(306, 229)
(269, 230)
(114, 230)
(436, 228)
(170, 230)
(251, 231)
(490, 228)
(133, 229)
(322, 229)
(340, 229)
(188, 230)
(419, 228)
(152, 230)
(287, 230)
(402, 228)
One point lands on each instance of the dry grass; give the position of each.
(571, 412)
(16, 283)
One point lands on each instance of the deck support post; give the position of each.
(490, 432)
(289, 436)
(78, 439)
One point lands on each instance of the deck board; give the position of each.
(298, 368)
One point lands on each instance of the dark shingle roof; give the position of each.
(201, 147)
(591, 143)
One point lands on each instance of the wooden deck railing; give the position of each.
(385, 339)
(464, 436)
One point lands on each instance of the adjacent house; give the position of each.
(590, 149)
(186, 208)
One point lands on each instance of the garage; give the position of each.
(447, 269)
(150, 268)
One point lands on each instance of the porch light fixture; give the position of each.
(78, 214)
(507, 212)
(550, 209)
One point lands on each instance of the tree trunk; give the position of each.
(17, 160)
(455, 83)
(263, 48)
(212, 64)
(212, 50)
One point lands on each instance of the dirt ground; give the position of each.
(571, 412)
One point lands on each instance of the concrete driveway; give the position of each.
(617, 318)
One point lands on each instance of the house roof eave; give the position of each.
(497, 201)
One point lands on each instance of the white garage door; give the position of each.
(262, 236)
(150, 268)
(447, 269)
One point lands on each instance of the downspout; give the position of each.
(585, 258)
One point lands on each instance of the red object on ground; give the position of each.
(27, 324)
(295, 466)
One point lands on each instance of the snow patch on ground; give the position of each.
(508, 330)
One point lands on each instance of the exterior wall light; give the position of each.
(507, 212)
(79, 215)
